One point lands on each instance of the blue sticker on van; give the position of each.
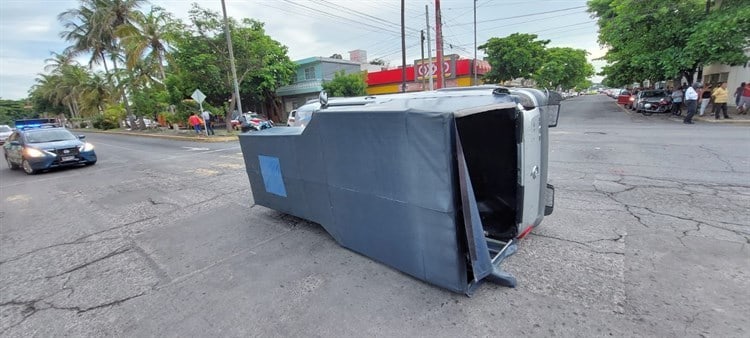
(270, 169)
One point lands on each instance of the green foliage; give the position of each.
(148, 102)
(659, 40)
(514, 56)
(564, 68)
(11, 110)
(353, 84)
(110, 119)
(203, 61)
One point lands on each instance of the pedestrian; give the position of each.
(705, 99)
(743, 105)
(677, 101)
(691, 101)
(196, 122)
(720, 96)
(209, 122)
(738, 94)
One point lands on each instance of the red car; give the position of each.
(625, 98)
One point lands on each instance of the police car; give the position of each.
(41, 144)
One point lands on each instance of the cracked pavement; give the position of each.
(649, 237)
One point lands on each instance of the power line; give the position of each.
(522, 16)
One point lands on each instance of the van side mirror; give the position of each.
(553, 108)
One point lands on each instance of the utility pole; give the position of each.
(421, 44)
(403, 50)
(439, 44)
(474, 64)
(429, 46)
(231, 61)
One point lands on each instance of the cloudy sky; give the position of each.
(29, 29)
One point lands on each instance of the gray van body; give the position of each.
(438, 185)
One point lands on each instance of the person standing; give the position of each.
(705, 99)
(738, 94)
(677, 100)
(209, 122)
(743, 105)
(720, 96)
(196, 122)
(691, 101)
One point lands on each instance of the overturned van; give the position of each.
(439, 185)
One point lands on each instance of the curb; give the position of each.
(214, 139)
(695, 118)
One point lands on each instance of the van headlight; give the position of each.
(86, 147)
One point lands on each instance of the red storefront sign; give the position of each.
(452, 68)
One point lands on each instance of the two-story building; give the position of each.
(312, 72)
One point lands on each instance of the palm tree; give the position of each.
(91, 28)
(96, 92)
(148, 34)
(55, 63)
(82, 30)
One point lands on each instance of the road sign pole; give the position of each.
(205, 123)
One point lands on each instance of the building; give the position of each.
(457, 73)
(732, 75)
(311, 73)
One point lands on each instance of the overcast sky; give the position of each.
(29, 29)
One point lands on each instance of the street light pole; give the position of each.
(231, 60)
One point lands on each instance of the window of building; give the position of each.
(712, 79)
(309, 73)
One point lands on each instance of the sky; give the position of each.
(29, 29)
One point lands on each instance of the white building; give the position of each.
(733, 76)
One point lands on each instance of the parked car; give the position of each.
(5, 131)
(252, 121)
(291, 118)
(625, 98)
(45, 147)
(648, 102)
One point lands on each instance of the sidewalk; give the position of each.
(182, 135)
(734, 118)
(708, 117)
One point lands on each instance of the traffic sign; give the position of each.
(198, 96)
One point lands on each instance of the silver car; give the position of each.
(5, 131)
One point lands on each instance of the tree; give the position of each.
(658, 40)
(91, 28)
(353, 84)
(514, 56)
(202, 59)
(148, 38)
(564, 68)
(11, 110)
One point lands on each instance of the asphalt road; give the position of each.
(650, 237)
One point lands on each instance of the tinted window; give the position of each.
(4, 129)
(49, 135)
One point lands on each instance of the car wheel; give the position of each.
(11, 165)
(27, 167)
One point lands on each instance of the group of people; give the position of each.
(197, 122)
(717, 95)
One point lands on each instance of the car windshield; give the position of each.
(4, 129)
(657, 93)
(49, 135)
